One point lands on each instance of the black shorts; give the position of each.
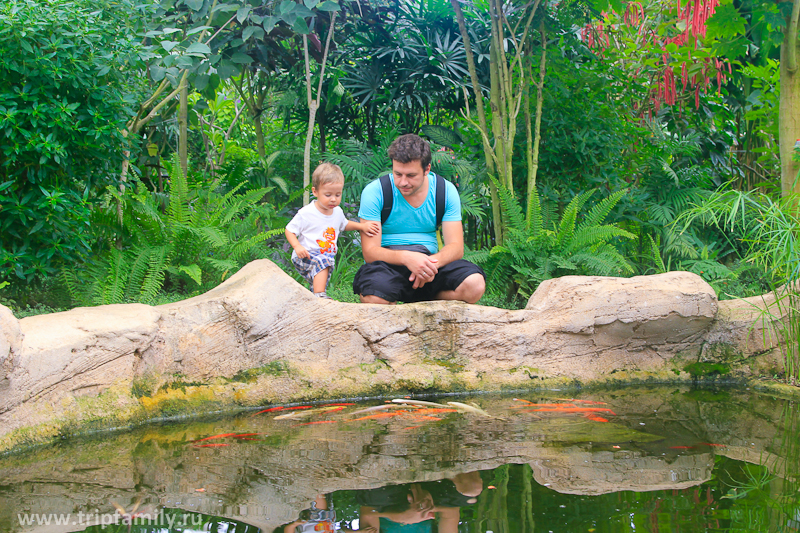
(390, 282)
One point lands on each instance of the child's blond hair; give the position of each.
(326, 173)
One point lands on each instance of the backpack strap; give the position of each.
(388, 198)
(441, 194)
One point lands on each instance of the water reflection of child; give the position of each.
(411, 508)
(320, 518)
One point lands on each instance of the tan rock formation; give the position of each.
(10, 345)
(260, 338)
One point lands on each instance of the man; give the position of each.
(404, 262)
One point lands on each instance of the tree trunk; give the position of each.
(262, 151)
(476, 90)
(183, 130)
(789, 113)
(535, 137)
(313, 105)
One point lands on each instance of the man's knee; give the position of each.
(372, 299)
(472, 288)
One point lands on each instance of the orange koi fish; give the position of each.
(554, 405)
(220, 436)
(269, 410)
(245, 435)
(337, 404)
(596, 418)
(379, 415)
(712, 444)
(300, 407)
(574, 409)
(413, 427)
(581, 401)
(211, 445)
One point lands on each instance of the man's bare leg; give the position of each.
(372, 299)
(470, 290)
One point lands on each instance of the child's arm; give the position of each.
(369, 227)
(294, 243)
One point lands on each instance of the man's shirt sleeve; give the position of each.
(452, 208)
(371, 202)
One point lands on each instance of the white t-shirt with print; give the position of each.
(316, 232)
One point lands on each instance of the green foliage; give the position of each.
(199, 237)
(243, 165)
(769, 230)
(65, 87)
(533, 253)
(705, 370)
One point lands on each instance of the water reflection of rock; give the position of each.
(584, 472)
(266, 483)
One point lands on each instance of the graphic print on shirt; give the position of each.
(328, 246)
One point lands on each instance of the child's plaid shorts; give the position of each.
(308, 268)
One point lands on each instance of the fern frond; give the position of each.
(178, 209)
(534, 222)
(660, 268)
(510, 207)
(154, 279)
(600, 211)
(593, 236)
(567, 226)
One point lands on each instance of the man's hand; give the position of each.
(423, 268)
(302, 252)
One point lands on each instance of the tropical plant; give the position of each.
(411, 60)
(770, 232)
(532, 253)
(64, 97)
(199, 237)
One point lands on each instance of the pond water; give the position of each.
(635, 459)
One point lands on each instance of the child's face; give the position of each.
(329, 195)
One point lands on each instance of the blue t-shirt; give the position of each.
(407, 224)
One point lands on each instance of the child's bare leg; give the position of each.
(321, 280)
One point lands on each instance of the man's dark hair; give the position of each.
(410, 147)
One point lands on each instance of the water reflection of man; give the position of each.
(411, 508)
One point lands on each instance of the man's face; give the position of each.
(409, 177)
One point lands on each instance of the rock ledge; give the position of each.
(261, 338)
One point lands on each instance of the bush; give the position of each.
(63, 91)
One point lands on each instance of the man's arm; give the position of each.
(423, 267)
(453, 237)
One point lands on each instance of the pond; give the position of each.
(650, 459)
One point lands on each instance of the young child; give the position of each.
(315, 228)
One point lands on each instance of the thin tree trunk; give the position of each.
(476, 91)
(534, 141)
(262, 151)
(313, 105)
(183, 130)
(789, 111)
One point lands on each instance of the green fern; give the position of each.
(532, 254)
(193, 237)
